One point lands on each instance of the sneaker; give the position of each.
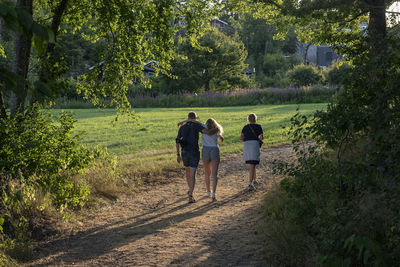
(208, 193)
(251, 187)
(213, 199)
(191, 199)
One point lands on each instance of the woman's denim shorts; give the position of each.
(209, 153)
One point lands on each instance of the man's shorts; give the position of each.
(190, 158)
(209, 153)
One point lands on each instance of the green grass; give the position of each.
(156, 129)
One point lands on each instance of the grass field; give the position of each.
(156, 129)
(152, 137)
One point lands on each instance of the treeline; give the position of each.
(243, 54)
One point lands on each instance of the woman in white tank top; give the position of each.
(210, 155)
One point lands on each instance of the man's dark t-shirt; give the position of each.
(190, 133)
(248, 133)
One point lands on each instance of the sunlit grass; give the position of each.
(148, 145)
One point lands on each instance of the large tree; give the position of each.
(132, 33)
(216, 64)
(372, 90)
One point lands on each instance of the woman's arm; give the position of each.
(242, 136)
(221, 138)
(261, 137)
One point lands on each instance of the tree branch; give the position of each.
(3, 113)
(393, 12)
(55, 25)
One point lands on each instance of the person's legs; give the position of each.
(192, 183)
(207, 174)
(188, 176)
(252, 173)
(190, 160)
(214, 167)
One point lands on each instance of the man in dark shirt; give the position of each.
(188, 138)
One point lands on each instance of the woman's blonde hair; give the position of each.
(252, 117)
(211, 124)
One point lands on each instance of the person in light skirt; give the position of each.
(251, 135)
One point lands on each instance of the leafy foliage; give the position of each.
(345, 194)
(42, 173)
(33, 144)
(304, 75)
(216, 64)
(130, 34)
(336, 73)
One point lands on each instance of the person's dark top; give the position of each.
(248, 133)
(190, 133)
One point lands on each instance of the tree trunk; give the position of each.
(3, 112)
(377, 27)
(266, 47)
(207, 85)
(379, 121)
(22, 51)
(376, 39)
(55, 25)
(305, 60)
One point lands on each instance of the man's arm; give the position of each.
(185, 121)
(178, 147)
(178, 154)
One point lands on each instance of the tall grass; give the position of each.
(238, 97)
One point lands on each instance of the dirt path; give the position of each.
(157, 227)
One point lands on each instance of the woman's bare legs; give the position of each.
(252, 175)
(207, 174)
(214, 165)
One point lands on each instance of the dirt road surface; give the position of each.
(158, 227)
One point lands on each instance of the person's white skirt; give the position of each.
(251, 152)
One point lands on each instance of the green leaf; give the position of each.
(39, 44)
(3, 9)
(25, 18)
(51, 36)
(40, 31)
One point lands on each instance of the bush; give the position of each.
(335, 74)
(340, 204)
(304, 75)
(44, 175)
(34, 148)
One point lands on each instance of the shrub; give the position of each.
(34, 148)
(304, 75)
(335, 74)
(339, 203)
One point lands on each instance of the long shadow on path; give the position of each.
(94, 243)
